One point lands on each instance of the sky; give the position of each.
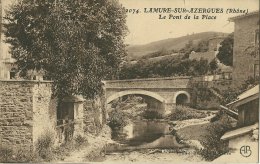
(146, 27)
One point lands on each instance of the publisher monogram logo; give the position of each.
(245, 151)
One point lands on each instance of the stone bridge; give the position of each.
(160, 94)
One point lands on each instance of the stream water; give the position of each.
(141, 132)
(144, 134)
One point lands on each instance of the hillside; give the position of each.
(137, 51)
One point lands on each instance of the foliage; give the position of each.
(161, 52)
(213, 66)
(225, 54)
(231, 94)
(44, 146)
(217, 116)
(185, 113)
(5, 154)
(80, 140)
(213, 146)
(203, 94)
(164, 68)
(8, 154)
(117, 119)
(203, 46)
(76, 43)
(151, 115)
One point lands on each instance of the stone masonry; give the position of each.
(26, 112)
(246, 41)
(163, 90)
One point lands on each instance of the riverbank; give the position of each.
(155, 155)
(94, 151)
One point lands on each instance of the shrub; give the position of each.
(44, 146)
(152, 115)
(117, 119)
(213, 146)
(66, 148)
(184, 113)
(80, 140)
(5, 154)
(217, 116)
(8, 154)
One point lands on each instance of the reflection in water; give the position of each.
(141, 132)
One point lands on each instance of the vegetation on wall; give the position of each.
(231, 94)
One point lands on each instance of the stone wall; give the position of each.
(170, 82)
(44, 110)
(202, 55)
(94, 115)
(26, 111)
(244, 44)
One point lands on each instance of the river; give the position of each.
(147, 140)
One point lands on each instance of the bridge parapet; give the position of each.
(165, 83)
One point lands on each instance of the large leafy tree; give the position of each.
(225, 54)
(77, 43)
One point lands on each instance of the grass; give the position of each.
(16, 154)
(44, 150)
(194, 132)
(66, 148)
(209, 135)
(185, 113)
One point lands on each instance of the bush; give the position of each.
(66, 148)
(44, 146)
(152, 115)
(5, 154)
(213, 146)
(8, 154)
(184, 113)
(217, 116)
(80, 140)
(117, 119)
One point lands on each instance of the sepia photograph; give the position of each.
(129, 81)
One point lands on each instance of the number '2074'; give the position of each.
(132, 11)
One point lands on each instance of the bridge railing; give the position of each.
(171, 82)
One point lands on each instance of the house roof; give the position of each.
(243, 16)
(239, 132)
(246, 96)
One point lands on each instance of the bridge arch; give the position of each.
(181, 97)
(135, 92)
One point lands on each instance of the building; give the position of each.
(213, 46)
(7, 63)
(246, 133)
(246, 47)
(247, 105)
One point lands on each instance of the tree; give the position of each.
(225, 54)
(203, 46)
(77, 43)
(213, 66)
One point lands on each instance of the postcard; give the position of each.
(129, 81)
